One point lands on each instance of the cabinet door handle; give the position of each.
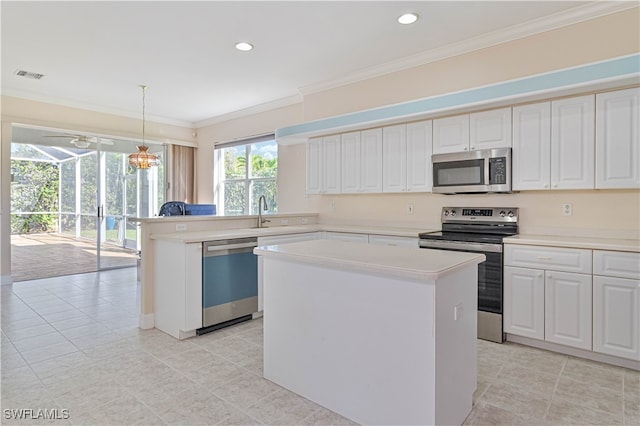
(545, 186)
(545, 258)
(472, 148)
(548, 275)
(465, 148)
(539, 274)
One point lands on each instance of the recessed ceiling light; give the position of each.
(408, 18)
(244, 46)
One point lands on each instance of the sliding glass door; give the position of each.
(93, 192)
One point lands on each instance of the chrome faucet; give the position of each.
(262, 200)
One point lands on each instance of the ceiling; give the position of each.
(95, 54)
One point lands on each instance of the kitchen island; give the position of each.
(381, 335)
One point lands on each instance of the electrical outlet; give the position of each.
(410, 208)
(304, 221)
(181, 227)
(458, 311)
(284, 221)
(333, 205)
(567, 209)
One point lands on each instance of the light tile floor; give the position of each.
(72, 343)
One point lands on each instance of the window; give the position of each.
(245, 170)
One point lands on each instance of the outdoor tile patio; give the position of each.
(35, 256)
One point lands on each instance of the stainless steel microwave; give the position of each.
(485, 170)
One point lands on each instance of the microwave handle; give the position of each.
(487, 170)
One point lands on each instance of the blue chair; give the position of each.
(173, 208)
(200, 209)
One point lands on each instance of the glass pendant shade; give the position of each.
(143, 159)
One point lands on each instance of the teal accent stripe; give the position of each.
(554, 80)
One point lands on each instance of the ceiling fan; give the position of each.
(82, 141)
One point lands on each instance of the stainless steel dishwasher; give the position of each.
(229, 282)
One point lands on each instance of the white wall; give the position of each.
(604, 38)
(22, 111)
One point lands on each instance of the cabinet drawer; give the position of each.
(552, 258)
(616, 264)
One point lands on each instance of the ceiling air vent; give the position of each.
(28, 74)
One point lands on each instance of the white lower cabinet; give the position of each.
(548, 304)
(616, 319)
(567, 316)
(587, 299)
(524, 302)
(178, 287)
(616, 303)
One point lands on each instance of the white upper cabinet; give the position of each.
(371, 160)
(553, 145)
(490, 129)
(332, 159)
(451, 134)
(406, 154)
(419, 149)
(315, 166)
(323, 165)
(362, 161)
(531, 154)
(480, 130)
(394, 155)
(617, 139)
(350, 162)
(572, 143)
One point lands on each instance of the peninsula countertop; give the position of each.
(222, 234)
(403, 262)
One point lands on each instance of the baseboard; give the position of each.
(580, 353)
(6, 280)
(146, 321)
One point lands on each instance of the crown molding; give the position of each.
(279, 103)
(30, 96)
(562, 19)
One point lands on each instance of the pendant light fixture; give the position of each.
(143, 159)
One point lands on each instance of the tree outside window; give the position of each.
(245, 171)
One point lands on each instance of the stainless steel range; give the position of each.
(479, 230)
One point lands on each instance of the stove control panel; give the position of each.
(479, 214)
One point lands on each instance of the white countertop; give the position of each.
(402, 262)
(576, 242)
(199, 236)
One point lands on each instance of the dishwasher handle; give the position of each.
(213, 248)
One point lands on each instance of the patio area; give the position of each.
(35, 256)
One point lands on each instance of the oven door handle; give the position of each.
(461, 245)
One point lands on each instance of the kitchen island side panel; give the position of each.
(361, 345)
